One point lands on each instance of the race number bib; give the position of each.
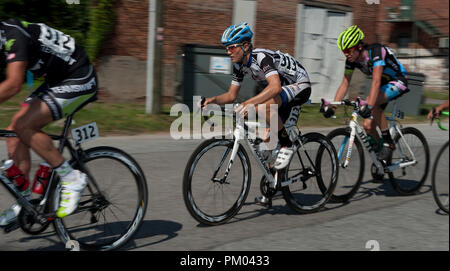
(85, 133)
(288, 64)
(56, 40)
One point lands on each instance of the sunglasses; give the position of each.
(233, 47)
(349, 50)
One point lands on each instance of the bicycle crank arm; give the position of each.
(396, 166)
(299, 177)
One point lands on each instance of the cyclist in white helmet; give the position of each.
(283, 80)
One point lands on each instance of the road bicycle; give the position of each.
(440, 186)
(407, 170)
(218, 174)
(112, 206)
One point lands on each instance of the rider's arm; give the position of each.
(342, 90)
(272, 90)
(15, 75)
(375, 86)
(442, 107)
(227, 97)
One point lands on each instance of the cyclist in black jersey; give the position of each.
(388, 75)
(70, 83)
(283, 80)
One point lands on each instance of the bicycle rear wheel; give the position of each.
(408, 180)
(350, 177)
(439, 180)
(209, 200)
(113, 204)
(315, 163)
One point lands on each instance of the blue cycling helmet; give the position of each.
(236, 34)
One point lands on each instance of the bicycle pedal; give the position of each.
(11, 227)
(264, 201)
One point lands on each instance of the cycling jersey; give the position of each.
(70, 79)
(263, 63)
(379, 55)
(48, 51)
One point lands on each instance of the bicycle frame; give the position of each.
(240, 134)
(356, 129)
(63, 143)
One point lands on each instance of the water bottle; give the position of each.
(15, 175)
(41, 178)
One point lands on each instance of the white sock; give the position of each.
(64, 169)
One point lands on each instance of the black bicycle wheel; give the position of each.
(439, 180)
(350, 177)
(411, 147)
(113, 204)
(209, 197)
(315, 163)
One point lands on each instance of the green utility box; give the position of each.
(207, 71)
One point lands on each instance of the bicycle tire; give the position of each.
(301, 202)
(120, 167)
(436, 190)
(417, 142)
(349, 185)
(194, 204)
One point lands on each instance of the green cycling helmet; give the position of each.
(350, 37)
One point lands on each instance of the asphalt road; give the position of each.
(375, 213)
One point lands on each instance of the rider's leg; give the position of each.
(270, 114)
(28, 128)
(292, 96)
(28, 124)
(18, 151)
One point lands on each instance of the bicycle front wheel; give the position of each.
(439, 180)
(112, 206)
(211, 197)
(312, 174)
(410, 149)
(350, 177)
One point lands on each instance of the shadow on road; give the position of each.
(160, 230)
(365, 191)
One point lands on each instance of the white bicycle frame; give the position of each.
(241, 134)
(356, 129)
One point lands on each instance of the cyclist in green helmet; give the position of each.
(388, 75)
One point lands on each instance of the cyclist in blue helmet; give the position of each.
(283, 80)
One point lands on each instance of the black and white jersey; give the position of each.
(48, 51)
(264, 63)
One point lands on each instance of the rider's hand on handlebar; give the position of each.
(365, 111)
(434, 113)
(326, 109)
(204, 101)
(242, 110)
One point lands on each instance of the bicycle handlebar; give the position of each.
(355, 104)
(438, 120)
